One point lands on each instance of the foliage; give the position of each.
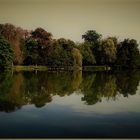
(6, 54)
(108, 51)
(65, 53)
(88, 57)
(91, 36)
(128, 54)
(105, 53)
(31, 52)
(62, 55)
(77, 56)
(38, 47)
(16, 37)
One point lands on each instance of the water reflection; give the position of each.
(22, 88)
(104, 85)
(127, 82)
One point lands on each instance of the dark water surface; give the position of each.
(70, 104)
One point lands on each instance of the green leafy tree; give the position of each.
(31, 52)
(128, 54)
(88, 57)
(91, 36)
(64, 53)
(105, 52)
(6, 54)
(55, 57)
(77, 56)
(109, 51)
(66, 56)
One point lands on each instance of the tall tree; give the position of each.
(128, 54)
(105, 51)
(16, 37)
(62, 55)
(6, 54)
(77, 56)
(31, 53)
(38, 47)
(88, 57)
(91, 36)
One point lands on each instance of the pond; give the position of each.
(70, 104)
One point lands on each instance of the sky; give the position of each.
(72, 18)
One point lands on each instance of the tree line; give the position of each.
(37, 47)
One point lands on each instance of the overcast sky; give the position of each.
(72, 18)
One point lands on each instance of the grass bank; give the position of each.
(29, 68)
(69, 68)
(96, 68)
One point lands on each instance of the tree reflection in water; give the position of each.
(22, 88)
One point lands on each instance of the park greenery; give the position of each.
(37, 47)
(6, 53)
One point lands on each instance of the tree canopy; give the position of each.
(38, 47)
(91, 36)
(86, 51)
(16, 37)
(6, 54)
(128, 54)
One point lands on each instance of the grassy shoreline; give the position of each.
(30, 68)
(69, 68)
(96, 68)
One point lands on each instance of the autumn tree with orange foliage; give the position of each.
(16, 37)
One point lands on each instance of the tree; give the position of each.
(91, 36)
(44, 40)
(128, 54)
(31, 52)
(63, 53)
(38, 47)
(109, 51)
(105, 52)
(88, 57)
(77, 56)
(16, 37)
(42, 35)
(66, 44)
(6, 54)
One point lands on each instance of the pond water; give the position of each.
(70, 104)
